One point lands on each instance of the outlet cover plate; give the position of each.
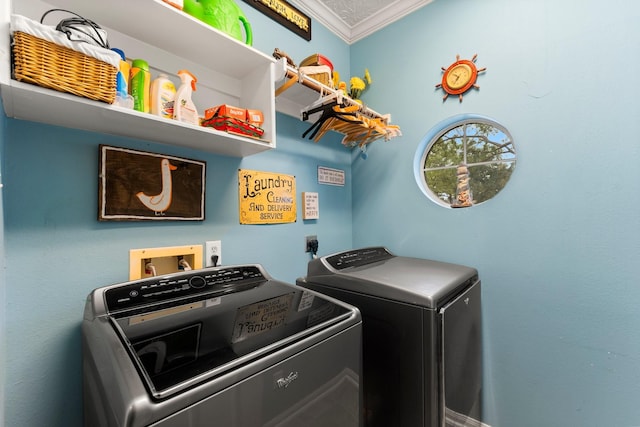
(307, 240)
(211, 248)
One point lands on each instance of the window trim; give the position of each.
(433, 135)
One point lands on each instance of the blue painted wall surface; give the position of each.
(557, 249)
(3, 333)
(57, 251)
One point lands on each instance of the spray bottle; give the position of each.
(184, 109)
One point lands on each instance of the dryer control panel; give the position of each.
(178, 286)
(358, 257)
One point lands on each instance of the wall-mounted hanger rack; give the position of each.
(334, 98)
(312, 97)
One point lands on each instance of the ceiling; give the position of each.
(353, 20)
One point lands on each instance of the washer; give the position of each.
(422, 364)
(225, 346)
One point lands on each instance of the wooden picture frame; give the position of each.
(285, 14)
(138, 186)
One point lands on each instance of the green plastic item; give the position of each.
(140, 84)
(225, 15)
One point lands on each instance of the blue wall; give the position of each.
(557, 248)
(57, 251)
(3, 332)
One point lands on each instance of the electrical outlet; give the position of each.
(308, 240)
(212, 248)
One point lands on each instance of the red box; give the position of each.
(233, 125)
(255, 117)
(226, 110)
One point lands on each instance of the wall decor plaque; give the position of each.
(330, 176)
(285, 14)
(266, 197)
(138, 185)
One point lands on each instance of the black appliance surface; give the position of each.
(421, 334)
(174, 350)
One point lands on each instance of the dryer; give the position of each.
(225, 346)
(422, 364)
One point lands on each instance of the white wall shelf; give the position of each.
(297, 91)
(299, 95)
(228, 71)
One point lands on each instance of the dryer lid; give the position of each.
(377, 272)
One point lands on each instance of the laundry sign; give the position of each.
(137, 185)
(266, 197)
(285, 14)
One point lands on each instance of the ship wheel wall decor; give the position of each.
(459, 77)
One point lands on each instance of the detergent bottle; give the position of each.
(123, 98)
(163, 94)
(184, 109)
(122, 77)
(139, 85)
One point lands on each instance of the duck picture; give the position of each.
(160, 202)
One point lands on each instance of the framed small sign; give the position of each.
(285, 14)
(331, 176)
(310, 205)
(138, 186)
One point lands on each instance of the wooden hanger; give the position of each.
(331, 113)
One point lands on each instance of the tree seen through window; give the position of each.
(469, 163)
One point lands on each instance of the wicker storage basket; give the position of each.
(320, 73)
(49, 65)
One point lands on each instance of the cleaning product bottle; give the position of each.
(122, 77)
(163, 93)
(123, 99)
(184, 109)
(139, 85)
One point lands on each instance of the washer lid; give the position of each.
(377, 272)
(187, 328)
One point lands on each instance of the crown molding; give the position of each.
(375, 20)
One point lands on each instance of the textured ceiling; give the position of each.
(353, 20)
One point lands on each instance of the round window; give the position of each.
(464, 161)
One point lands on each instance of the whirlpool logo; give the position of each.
(284, 382)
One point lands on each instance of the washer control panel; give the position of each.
(181, 285)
